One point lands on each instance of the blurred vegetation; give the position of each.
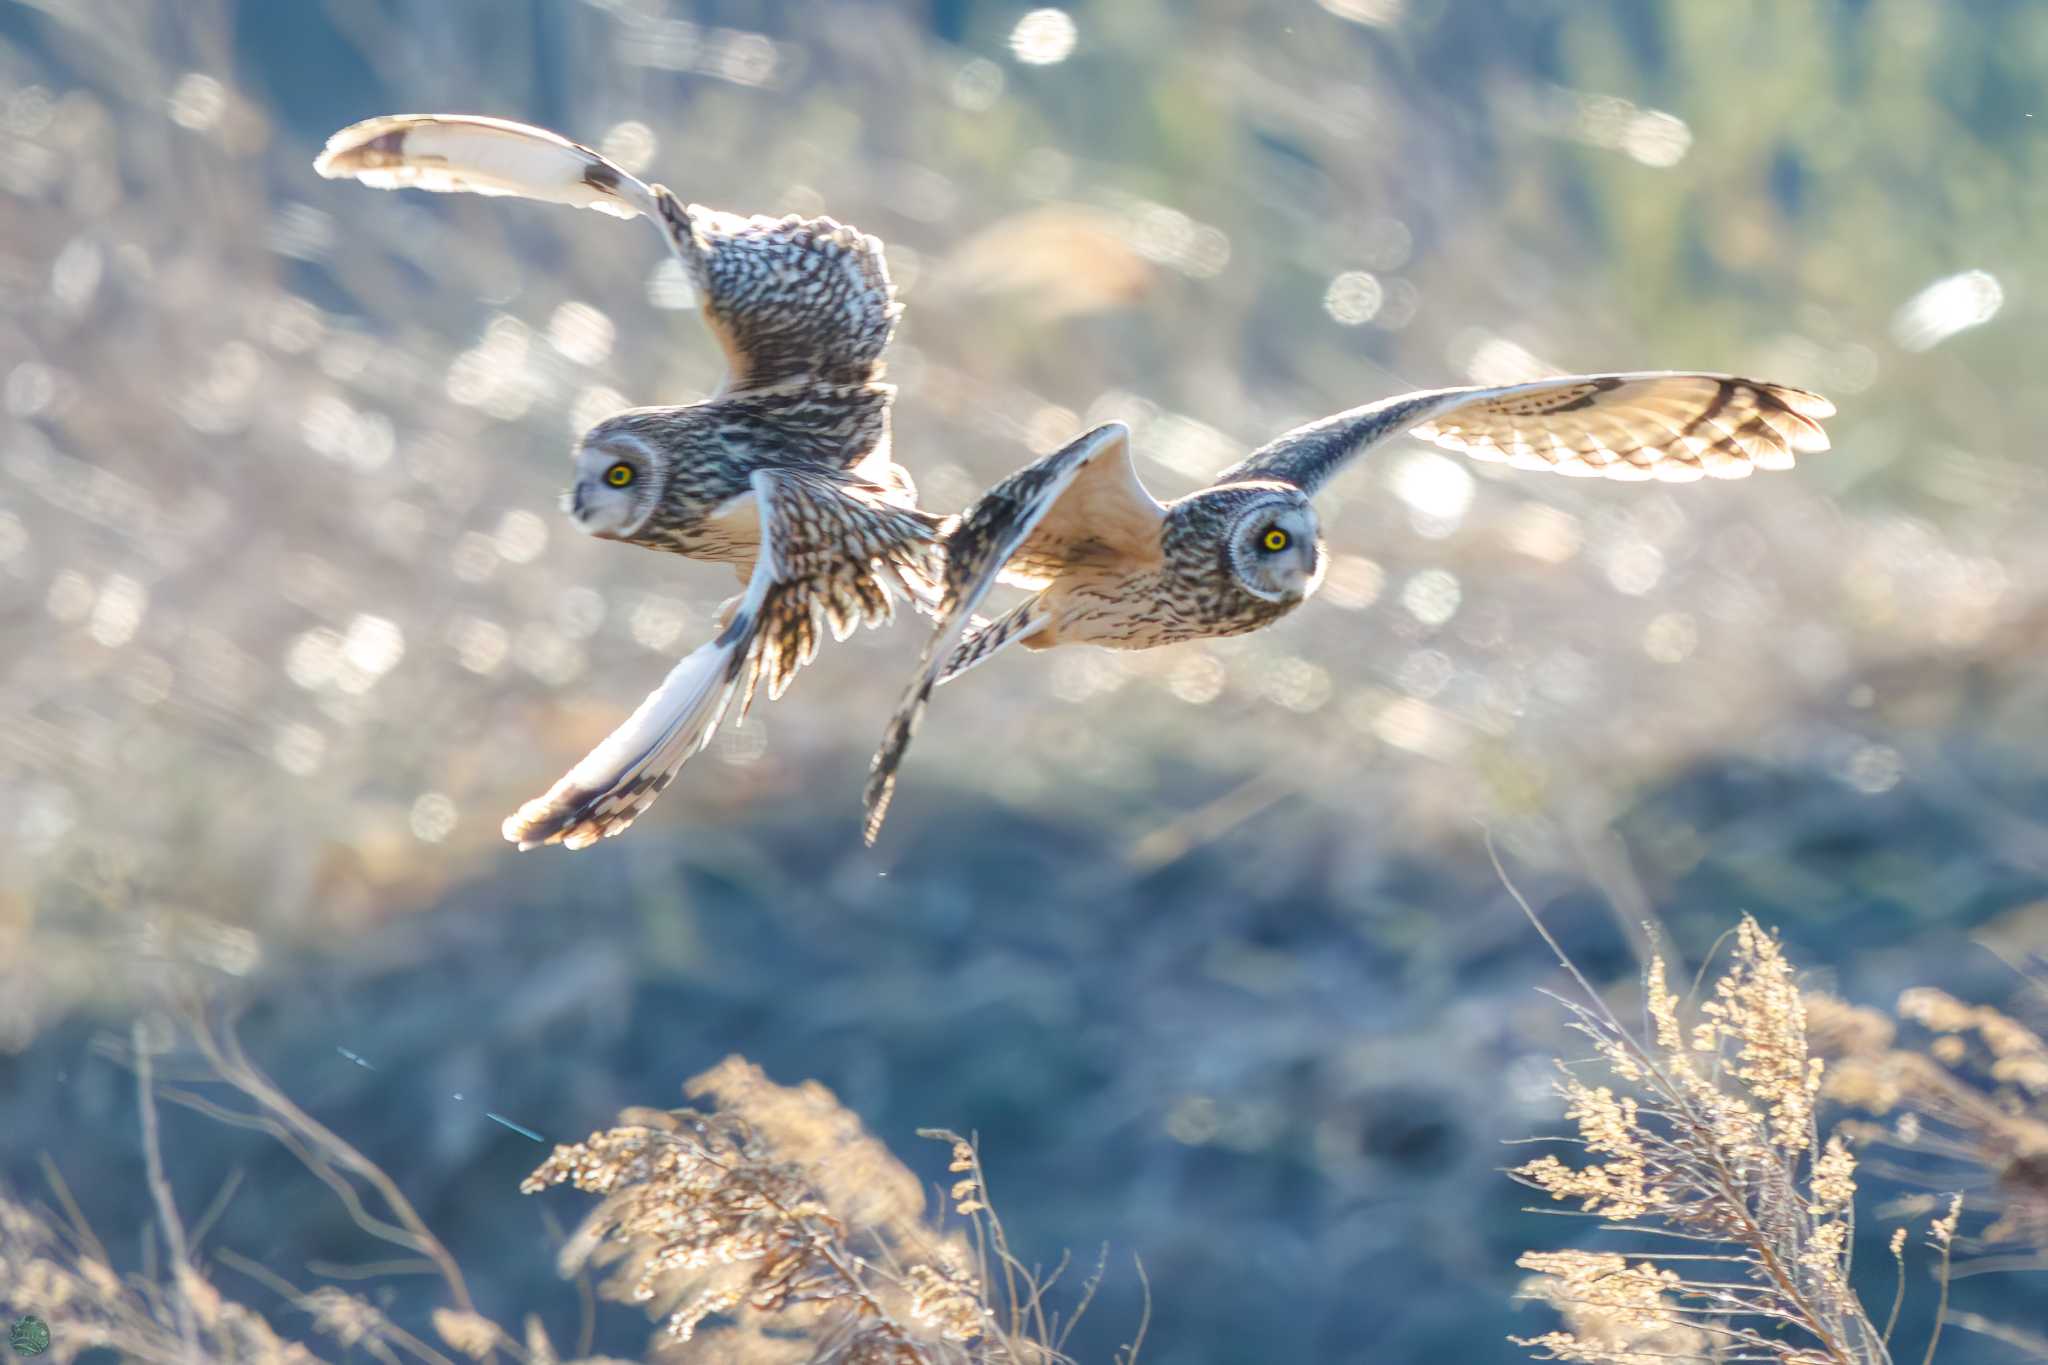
(1195, 939)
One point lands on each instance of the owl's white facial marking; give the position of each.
(1276, 549)
(617, 484)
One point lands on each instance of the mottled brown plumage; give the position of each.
(785, 473)
(1114, 568)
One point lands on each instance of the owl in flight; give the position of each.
(785, 473)
(1113, 567)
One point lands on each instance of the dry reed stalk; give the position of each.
(1705, 1146)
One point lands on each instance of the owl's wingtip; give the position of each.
(526, 834)
(1807, 403)
(364, 146)
(328, 165)
(538, 824)
(875, 807)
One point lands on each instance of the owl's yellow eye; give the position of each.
(619, 475)
(1276, 540)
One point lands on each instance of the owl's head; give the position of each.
(1274, 544)
(622, 466)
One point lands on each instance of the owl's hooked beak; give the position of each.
(576, 502)
(605, 513)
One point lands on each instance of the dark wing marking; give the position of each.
(833, 554)
(1672, 426)
(788, 299)
(1077, 503)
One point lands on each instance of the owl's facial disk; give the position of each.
(615, 485)
(1276, 549)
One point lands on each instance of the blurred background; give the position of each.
(1204, 942)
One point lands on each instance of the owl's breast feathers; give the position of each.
(1191, 594)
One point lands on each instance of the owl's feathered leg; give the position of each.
(985, 638)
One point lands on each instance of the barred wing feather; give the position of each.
(833, 554)
(1672, 426)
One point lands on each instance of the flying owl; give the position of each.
(1113, 567)
(785, 473)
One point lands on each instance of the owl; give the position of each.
(785, 473)
(1111, 566)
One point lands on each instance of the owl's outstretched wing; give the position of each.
(1081, 503)
(833, 553)
(1666, 425)
(789, 299)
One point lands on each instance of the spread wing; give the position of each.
(1080, 504)
(833, 554)
(788, 299)
(1665, 425)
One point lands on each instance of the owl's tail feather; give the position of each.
(619, 779)
(476, 155)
